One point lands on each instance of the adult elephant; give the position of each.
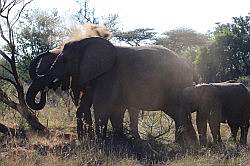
(145, 78)
(40, 66)
(216, 103)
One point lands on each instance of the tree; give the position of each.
(228, 55)
(86, 14)
(136, 37)
(10, 12)
(210, 65)
(40, 31)
(235, 37)
(181, 39)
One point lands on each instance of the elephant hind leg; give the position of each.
(234, 129)
(244, 131)
(214, 124)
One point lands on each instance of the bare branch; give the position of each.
(2, 35)
(8, 80)
(5, 6)
(19, 13)
(6, 69)
(5, 56)
(6, 100)
(11, 42)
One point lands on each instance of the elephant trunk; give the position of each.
(32, 92)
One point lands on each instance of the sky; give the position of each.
(162, 15)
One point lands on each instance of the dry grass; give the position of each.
(61, 147)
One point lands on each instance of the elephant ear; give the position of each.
(99, 57)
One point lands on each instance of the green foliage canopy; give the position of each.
(136, 37)
(182, 39)
(228, 55)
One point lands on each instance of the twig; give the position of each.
(5, 99)
(6, 69)
(5, 56)
(18, 15)
(2, 35)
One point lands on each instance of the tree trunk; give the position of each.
(30, 117)
(25, 112)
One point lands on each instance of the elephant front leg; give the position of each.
(185, 133)
(190, 129)
(101, 122)
(84, 118)
(79, 123)
(116, 119)
(244, 131)
(201, 122)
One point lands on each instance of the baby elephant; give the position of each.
(216, 103)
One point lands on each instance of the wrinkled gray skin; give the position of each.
(142, 78)
(216, 103)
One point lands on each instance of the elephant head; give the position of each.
(38, 68)
(196, 96)
(41, 64)
(86, 59)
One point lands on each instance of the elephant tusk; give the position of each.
(55, 80)
(70, 81)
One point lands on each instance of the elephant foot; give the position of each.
(91, 134)
(203, 142)
(86, 133)
(243, 143)
(218, 146)
(179, 138)
(119, 135)
(243, 140)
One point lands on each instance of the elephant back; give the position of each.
(152, 74)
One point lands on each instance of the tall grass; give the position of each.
(62, 148)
